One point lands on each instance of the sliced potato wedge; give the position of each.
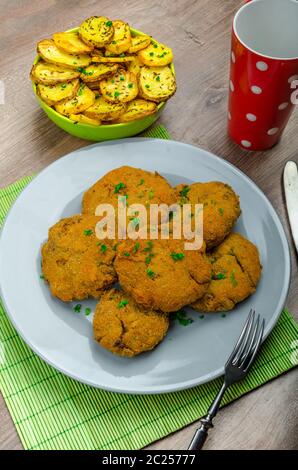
(137, 109)
(156, 55)
(156, 83)
(81, 101)
(120, 88)
(96, 72)
(71, 43)
(96, 31)
(54, 94)
(112, 59)
(121, 39)
(48, 50)
(97, 53)
(135, 66)
(105, 111)
(85, 119)
(138, 43)
(50, 74)
(94, 85)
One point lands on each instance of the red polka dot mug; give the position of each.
(263, 86)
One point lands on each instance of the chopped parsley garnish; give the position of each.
(151, 194)
(122, 78)
(158, 78)
(103, 248)
(201, 317)
(122, 303)
(87, 311)
(151, 54)
(135, 221)
(88, 232)
(118, 187)
(177, 256)
(221, 211)
(116, 94)
(109, 23)
(115, 247)
(219, 276)
(127, 254)
(41, 276)
(63, 86)
(149, 246)
(83, 71)
(184, 191)
(136, 247)
(223, 315)
(77, 308)
(122, 54)
(141, 182)
(147, 86)
(80, 92)
(233, 279)
(148, 258)
(150, 273)
(155, 45)
(130, 85)
(182, 318)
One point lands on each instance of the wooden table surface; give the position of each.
(199, 33)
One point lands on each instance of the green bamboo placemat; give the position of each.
(52, 411)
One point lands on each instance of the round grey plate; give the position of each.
(189, 355)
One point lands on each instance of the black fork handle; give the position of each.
(206, 423)
(199, 438)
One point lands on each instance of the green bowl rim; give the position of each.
(161, 105)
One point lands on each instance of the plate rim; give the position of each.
(174, 387)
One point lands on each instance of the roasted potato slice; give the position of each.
(71, 43)
(85, 119)
(50, 74)
(137, 109)
(156, 55)
(48, 50)
(54, 94)
(135, 66)
(104, 110)
(120, 88)
(96, 72)
(156, 83)
(96, 31)
(94, 85)
(97, 53)
(81, 101)
(112, 59)
(138, 43)
(121, 39)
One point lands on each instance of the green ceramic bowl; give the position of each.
(104, 132)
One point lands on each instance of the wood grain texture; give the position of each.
(199, 33)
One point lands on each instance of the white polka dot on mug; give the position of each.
(262, 66)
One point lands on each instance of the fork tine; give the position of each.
(255, 348)
(239, 341)
(245, 339)
(249, 346)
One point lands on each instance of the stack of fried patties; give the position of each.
(157, 276)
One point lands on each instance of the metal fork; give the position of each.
(236, 368)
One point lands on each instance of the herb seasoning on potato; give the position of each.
(103, 73)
